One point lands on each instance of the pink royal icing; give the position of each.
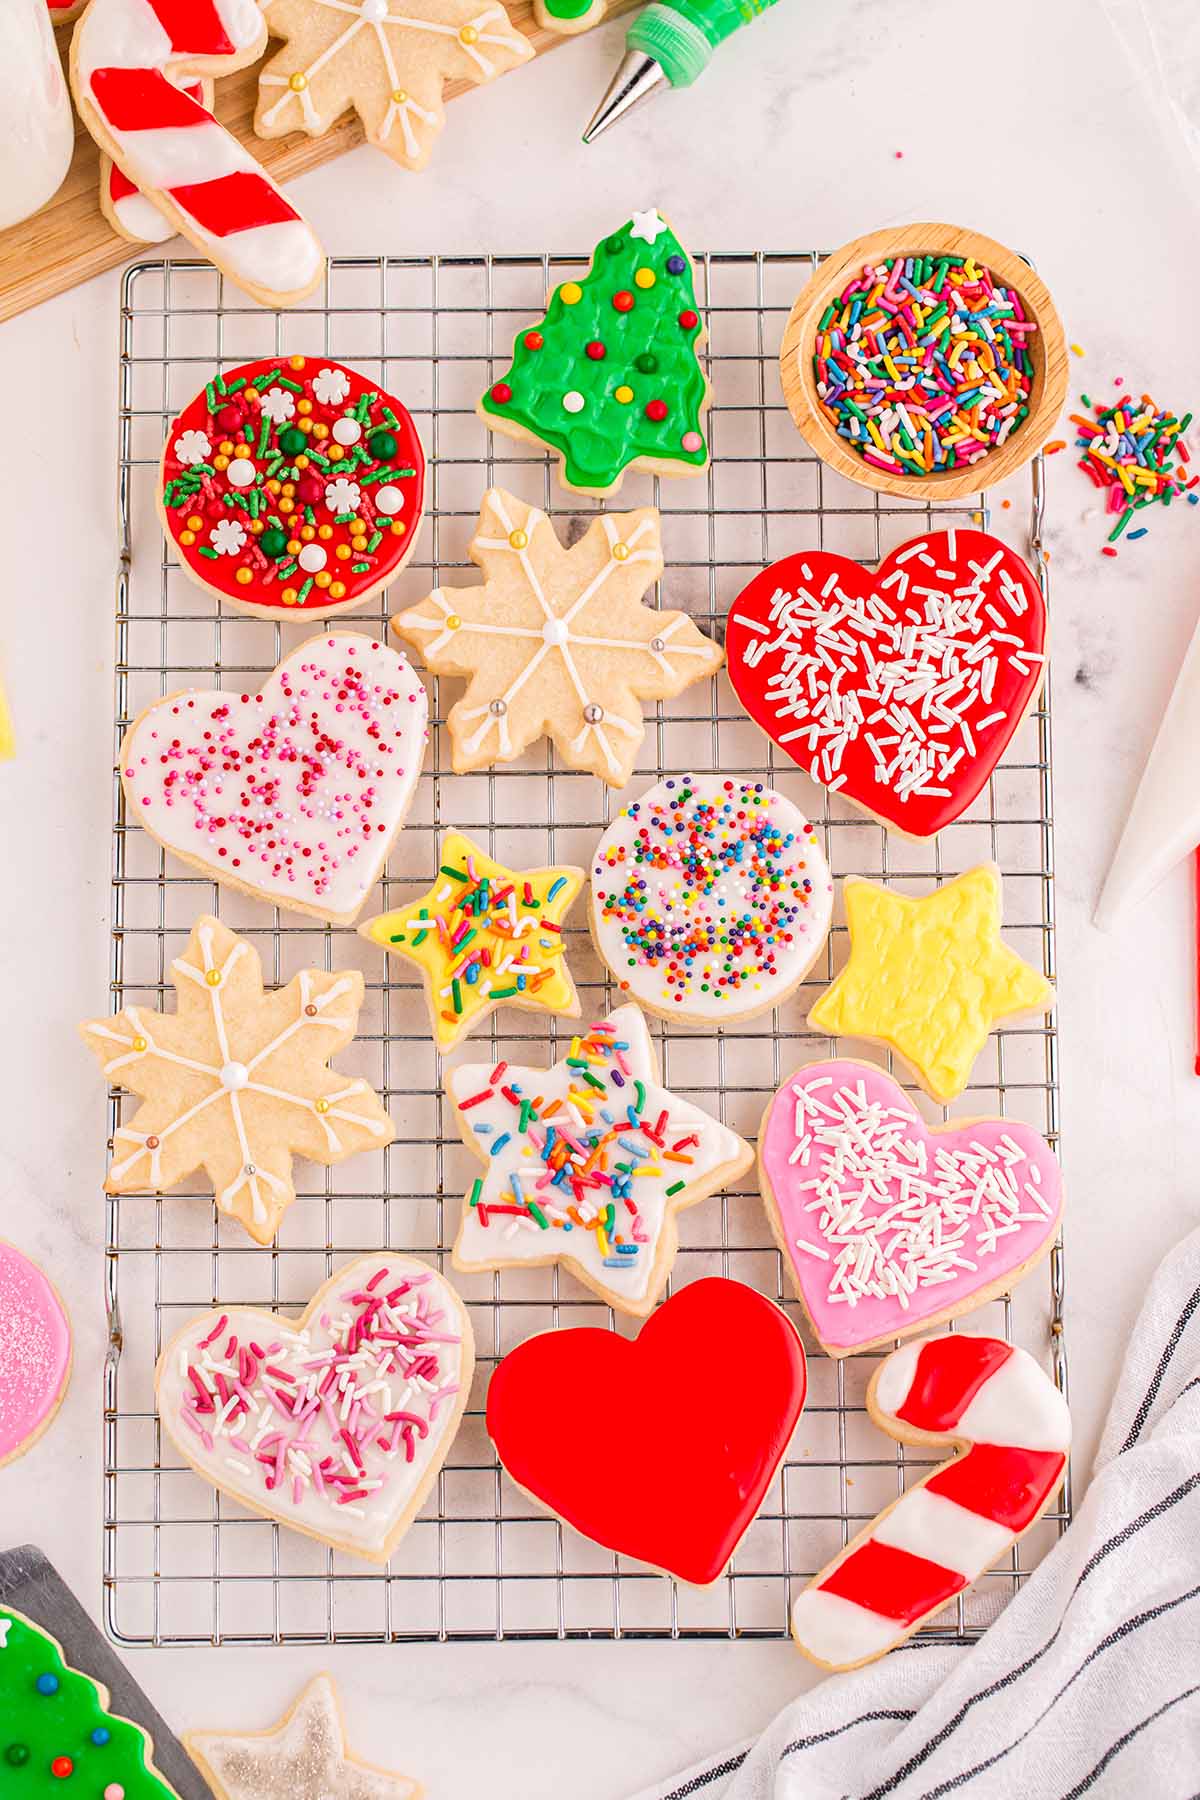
(888, 1224)
(35, 1350)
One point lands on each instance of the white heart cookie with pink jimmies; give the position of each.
(335, 1423)
(292, 791)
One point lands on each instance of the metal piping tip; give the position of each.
(638, 77)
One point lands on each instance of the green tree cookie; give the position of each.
(611, 379)
(56, 1733)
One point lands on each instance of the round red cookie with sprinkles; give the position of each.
(711, 898)
(292, 485)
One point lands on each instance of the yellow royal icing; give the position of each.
(929, 977)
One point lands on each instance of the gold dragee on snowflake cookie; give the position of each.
(388, 59)
(557, 642)
(236, 1080)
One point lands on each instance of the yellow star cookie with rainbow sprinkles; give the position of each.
(236, 1081)
(929, 977)
(557, 642)
(484, 936)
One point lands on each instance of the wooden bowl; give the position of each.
(1047, 348)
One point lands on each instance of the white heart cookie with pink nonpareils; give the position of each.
(888, 1225)
(335, 1423)
(292, 791)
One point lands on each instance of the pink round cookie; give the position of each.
(35, 1352)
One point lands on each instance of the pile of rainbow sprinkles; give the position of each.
(922, 363)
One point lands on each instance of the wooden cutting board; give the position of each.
(70, 240)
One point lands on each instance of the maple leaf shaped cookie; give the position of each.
(236, 1080)
(557, 642)
(388, 59)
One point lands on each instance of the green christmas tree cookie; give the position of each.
(57, 1737)
(611, 377)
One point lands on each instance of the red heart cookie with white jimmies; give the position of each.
(900, 689)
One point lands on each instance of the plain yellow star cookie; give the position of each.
(929, 978)
(484, 936)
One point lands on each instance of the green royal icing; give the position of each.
(646, 350)
(38, 1728)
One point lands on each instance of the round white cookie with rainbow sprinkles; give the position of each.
(711, 898)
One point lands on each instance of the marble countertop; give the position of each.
(795, 137)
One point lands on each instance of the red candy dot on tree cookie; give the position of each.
(623, 300)
(656, 410)
(596, 350)
(533, 341)
(689, 320)
(502, 393)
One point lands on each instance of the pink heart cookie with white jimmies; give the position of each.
(335, 1423)
(888, 1225)
(292, 791)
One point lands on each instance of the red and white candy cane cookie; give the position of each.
(123, 203)
(998, 1405)
(127, 57)
(899, 688)
(292, 485)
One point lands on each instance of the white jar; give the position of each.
(37, 130)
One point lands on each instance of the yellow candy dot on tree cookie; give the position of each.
(293, 547)
(320, 429)
(344, 552)
(286, 505)
(645, 278)
(624, 395)
(570, 293)
(323, 578)
(242, 452)
(518, 539)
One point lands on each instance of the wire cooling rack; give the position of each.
(181, 1564)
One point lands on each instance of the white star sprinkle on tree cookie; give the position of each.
(557, 642)
(236, 1081)
(587, 1163)
(388, 59)
(303, 1758)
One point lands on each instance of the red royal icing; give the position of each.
(949, 1374)
(893, 1582)
(1001, 1482)
(682, 1430)
(352, 515)
(946, 616)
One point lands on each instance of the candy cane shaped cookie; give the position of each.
(126, 208)
(1005, 1413)
(126, 59)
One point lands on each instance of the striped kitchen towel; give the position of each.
(1088, 1683)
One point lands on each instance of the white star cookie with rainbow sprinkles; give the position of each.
(291, 792)
(484, 936)
(304, 1757)
(388, 61)
(587, 1163)
(292, 485)
(557, 642)
(711, 898)
(336, 1423)
(237, 1080)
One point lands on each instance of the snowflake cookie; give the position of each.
(292, 485)
(557, 642)
(236, 1080)
(389, 61)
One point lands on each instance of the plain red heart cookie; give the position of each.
(900, 688)
(687, 1424)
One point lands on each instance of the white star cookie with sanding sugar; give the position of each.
(711, 898)
(304, 1757)
(292, 791)
(557, 642)
(237, 1080)
(389, 60)
(587, 1163)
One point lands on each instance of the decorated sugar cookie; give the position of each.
(888, 1225)
(389, 62)
(292, 485)
(126, 56)
(557, 642)
(587, 1163)
(132, 216)
(929, 977)
(35, 1353)
(993, 1403)
(304, 1757)
(236, 1080)
(711, 898)
(686, 1426)
(569, 16)
(484, 936)
(294, 790)
(58, 1732)
(335, 1423)
(899, 689)
(611, 379)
